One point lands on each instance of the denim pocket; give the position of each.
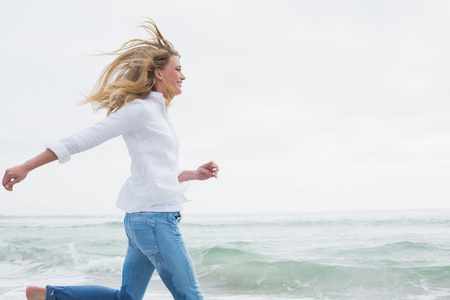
(141, 223)
(142, 234)
(175, 219)
(178, 217)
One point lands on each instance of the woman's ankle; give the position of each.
(36, 293)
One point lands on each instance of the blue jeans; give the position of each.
(154, 242)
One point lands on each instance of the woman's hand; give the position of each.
(203, 172)
(206, 171)
(17, 174)
(14, 175)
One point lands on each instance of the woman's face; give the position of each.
(172, 75)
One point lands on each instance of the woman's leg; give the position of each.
(173, 262)
(157, 236)
(85, 292)
(154, 242)
(136, 273)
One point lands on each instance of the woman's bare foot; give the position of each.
(36, 293)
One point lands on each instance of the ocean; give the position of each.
(344, 255)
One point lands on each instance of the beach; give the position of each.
(333, 255)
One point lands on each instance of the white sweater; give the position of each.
(153, 148)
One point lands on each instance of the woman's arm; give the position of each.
(17, 174)
(128, 118)
(203, 172)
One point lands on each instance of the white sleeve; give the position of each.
(126, 119)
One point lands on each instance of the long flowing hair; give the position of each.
(131, 75)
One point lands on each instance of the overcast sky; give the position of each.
(305, 105)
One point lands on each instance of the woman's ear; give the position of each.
(157, 73)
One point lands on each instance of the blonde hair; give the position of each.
(131, 75)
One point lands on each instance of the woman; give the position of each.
(136, 89)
